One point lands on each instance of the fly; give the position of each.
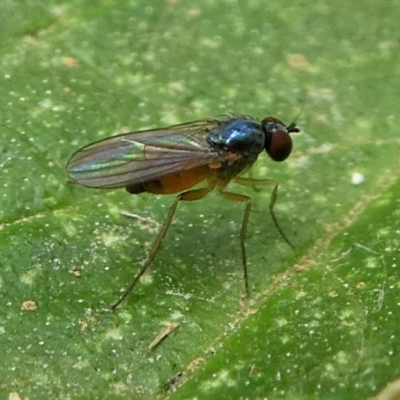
(174, 159)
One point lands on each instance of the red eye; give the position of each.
(280, 146)
(278, 143)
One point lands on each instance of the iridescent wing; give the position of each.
(143, 156)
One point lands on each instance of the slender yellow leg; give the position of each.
(190, 195)
(243, 230)
(274, 196)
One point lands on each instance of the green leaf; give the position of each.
(321, 321)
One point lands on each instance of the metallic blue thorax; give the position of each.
(238, 135)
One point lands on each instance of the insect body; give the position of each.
(174, 159)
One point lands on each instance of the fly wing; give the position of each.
(143, 156)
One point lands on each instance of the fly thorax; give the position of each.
(239, 142)
(241, 136)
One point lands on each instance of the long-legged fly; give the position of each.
(174, 159)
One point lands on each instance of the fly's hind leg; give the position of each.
(254, 182)
(190, 195)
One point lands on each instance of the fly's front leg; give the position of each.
(190, 195)
(274, 196)
(243, 231)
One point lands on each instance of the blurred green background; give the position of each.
(322, 320)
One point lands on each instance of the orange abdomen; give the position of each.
(179, 182)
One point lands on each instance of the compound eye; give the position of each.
(280, 146)
(278, 143)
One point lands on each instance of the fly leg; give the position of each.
(243, 230)
(190, 195)
(254, 182)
